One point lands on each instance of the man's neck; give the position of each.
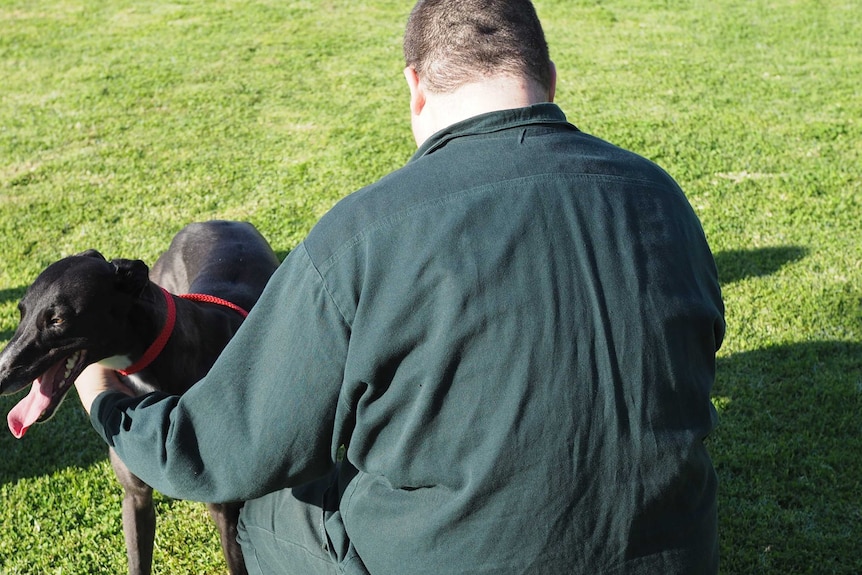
(505, 93)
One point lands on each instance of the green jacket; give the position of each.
(514, 336)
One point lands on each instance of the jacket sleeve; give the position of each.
(262, 419)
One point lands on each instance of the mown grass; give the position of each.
(121, 121)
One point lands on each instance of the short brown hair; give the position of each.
(452, 42)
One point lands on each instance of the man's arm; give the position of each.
(261, 420)
(95, 380)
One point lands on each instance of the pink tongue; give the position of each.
(28, 410)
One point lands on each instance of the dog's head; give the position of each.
(75, 313)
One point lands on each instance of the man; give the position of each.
(513, 337)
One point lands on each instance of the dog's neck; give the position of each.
(160, 341)
(185, 345)
(146, 320)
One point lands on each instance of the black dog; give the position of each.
(84, 309)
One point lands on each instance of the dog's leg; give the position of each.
(139, 518)
(226, 516)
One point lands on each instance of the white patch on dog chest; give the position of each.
(118, 362)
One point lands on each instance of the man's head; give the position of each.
(467, 57)
(454, 42)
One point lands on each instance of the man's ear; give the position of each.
(417, 92)
(552, 89)
(131, 276)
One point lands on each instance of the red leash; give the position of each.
(206, 298)
(159, 344)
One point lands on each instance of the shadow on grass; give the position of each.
(786, 452)
(67, 440)
(735, 265)
(6, 296)
(12, 294)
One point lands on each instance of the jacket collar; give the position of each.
(546, 113)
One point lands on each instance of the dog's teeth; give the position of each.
(70, 364)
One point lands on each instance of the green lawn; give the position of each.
(120, 121)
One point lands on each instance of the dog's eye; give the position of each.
(50, 319)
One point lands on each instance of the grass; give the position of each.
(121, 121)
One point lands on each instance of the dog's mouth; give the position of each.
(46, 394)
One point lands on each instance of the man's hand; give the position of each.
(94, 380)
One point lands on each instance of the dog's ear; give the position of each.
(131, 276)
(91, 254)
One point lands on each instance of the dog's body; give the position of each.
(84, 309)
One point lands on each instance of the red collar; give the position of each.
(159, 344)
